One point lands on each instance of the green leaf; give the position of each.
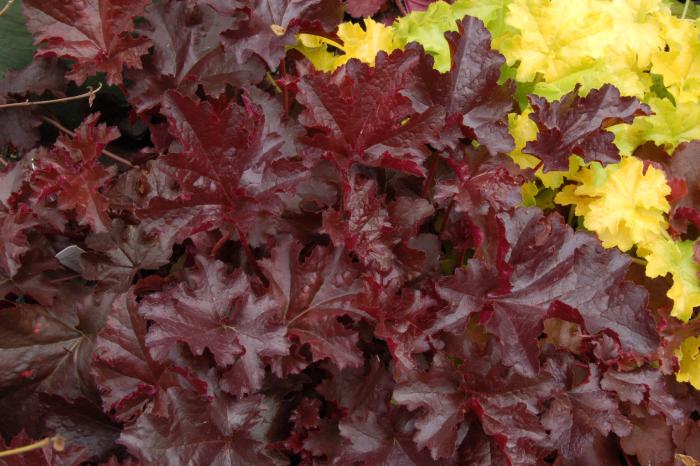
(16, 43)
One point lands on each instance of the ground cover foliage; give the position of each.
(283, 234)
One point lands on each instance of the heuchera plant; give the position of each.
(284, 266)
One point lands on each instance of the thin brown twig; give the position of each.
(7, 6)
(90, 95)
(106, 152)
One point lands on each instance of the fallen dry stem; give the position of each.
(90, 95)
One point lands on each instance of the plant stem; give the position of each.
(639, 261)
(90, 95)
(26, 448)
(63, 129)
(685, 9)
(430, 177)
(6, 7)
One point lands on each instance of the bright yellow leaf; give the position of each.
(315, 48)
(621, 202)
(679, 62)
(555, 37)
(637, 32)
(355, 42)
(689, 357)
(365, 44)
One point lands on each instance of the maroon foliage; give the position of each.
(576, 125)
(268, 26)
(360, 115)
(290, 266)
(95, 35)
(476, 106)
(187, 53)
(364, 8)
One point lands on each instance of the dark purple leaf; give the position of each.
(359, 115)
(217, 311)
(576, 125)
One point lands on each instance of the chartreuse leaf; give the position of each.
(689, 357)
(428, 28)
(17, 49)
(667, 127)
(529, 192)
(425, 27)
(623, 203)
(666, 256)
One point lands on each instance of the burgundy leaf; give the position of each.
(401, 322)
(271, 26)
(581, 418)
(647, 388)
(48, 348)
(124, 371)
(304, 267)
(416, 5)
(683, 167)
(576, 125)
(650, 440)
(225, 7)
(372, 430)
(359, 114)
(483, 185)
(81, 423)
(20, 125)
(187, 52)
(217, 311)
(540, 260)
(70, 175)
(371, 230)
(364, 8)
(241, 160)
(476, 105)
(46, 353)
(13, 228)
(443, 406)
(117, 255)
(187, 433)
(96, 36)
(317, 290)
